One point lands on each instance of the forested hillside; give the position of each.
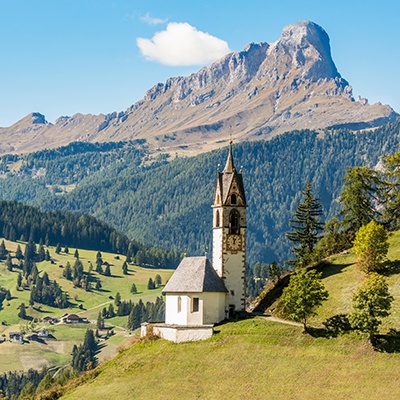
(168, 204)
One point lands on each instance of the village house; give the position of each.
(43, 332)
(17, 337)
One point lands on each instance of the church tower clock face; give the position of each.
(229, 234)
(234, 242)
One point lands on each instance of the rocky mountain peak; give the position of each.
(261, 91)
(303, 50)
(37, 118)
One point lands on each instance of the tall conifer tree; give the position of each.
(306, 227)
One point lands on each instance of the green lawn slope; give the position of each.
(14, 356)
(250, 359)
(257, 358)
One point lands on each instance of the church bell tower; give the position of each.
(229, 235)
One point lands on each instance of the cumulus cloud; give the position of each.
(181, 44)
(148, 19)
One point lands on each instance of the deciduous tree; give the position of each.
(371, 246)
(371, 302)
(302, 296)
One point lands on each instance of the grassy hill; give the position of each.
(257, 358)
(15, 356)
(251, 359)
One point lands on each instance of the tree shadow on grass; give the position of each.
(391, 268)
(328, 269)
(387, 343)
(319, 332)
(333, 327)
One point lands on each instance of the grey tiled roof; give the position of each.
(195, 275)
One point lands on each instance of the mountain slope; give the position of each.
(261, 91)
(168, 204)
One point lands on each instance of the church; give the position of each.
(200, 294)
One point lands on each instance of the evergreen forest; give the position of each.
(167, 204)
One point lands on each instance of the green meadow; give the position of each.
(56, 351)
(257, 358)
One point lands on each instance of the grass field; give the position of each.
(342, 278)
(250, 359)
(56, 352)
(258, 359)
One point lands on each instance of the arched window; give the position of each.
(233, 199)
(218, 200)
(234, 222)
(217, 219)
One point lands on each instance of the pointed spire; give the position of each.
(230, 166)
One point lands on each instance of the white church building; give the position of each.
(200, 294)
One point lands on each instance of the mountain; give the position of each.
(167, 204)
(262, 91)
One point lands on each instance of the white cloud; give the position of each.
(148, 19)
(181, 44)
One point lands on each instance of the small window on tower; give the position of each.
(218, 201)
(233, 199)
(217, 219)
(234, 222)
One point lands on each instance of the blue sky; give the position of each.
(60, 57)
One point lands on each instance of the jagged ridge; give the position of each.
(264, 90)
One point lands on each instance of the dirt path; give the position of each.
(281, 321)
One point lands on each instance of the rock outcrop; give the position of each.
(264, 90)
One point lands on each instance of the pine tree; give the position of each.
(67, 273)
(99, 263)
(76, 254)
(361, 192)
(110, 311)
(3, 250)
(306, 226)
(158, 280)
(41, 253)
(19, 280)
(133, 289)
(125, 268)
(47, 255)
(150, 284)
(22, 311)
(58, 248)
(100, 321)
(18, 253)
(117, 300)
(9, 263)
(66, 250)
(107, 271)
(98, 285)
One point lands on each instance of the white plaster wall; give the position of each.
(213, 307)
(195, 318)
(217, 250)
(234, 278)
(185, 316)
(183, 335)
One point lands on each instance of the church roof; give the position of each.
(195, 275)
(229, 175)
